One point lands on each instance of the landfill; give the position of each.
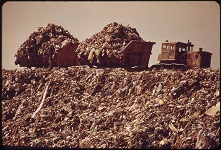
(83, 107)
(45, 38)
(107, 45)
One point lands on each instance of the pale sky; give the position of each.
(198, 21)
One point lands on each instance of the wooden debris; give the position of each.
(42, 102)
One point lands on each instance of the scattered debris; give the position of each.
(110, 108)
(42, 102)
(213, 110)
(171, 126)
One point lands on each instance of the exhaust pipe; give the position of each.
(200, 49)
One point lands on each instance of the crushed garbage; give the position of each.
(83, 107)
(45, 40)
(105, 47)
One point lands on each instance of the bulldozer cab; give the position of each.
(174, 52)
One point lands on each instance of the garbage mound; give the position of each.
(82, 107)
(107, 43)
(44, 38)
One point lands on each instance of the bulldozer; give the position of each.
(180, 56)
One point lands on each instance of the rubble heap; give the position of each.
(82, 107)
(44, 38)
(108, 41)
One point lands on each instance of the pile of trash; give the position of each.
(107, 44)
(83, 107)
(45, 38)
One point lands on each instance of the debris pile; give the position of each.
(82, 107)
(107, 44)
(45, 38)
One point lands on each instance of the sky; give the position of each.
(197, 21)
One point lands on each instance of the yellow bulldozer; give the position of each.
(180, 56)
